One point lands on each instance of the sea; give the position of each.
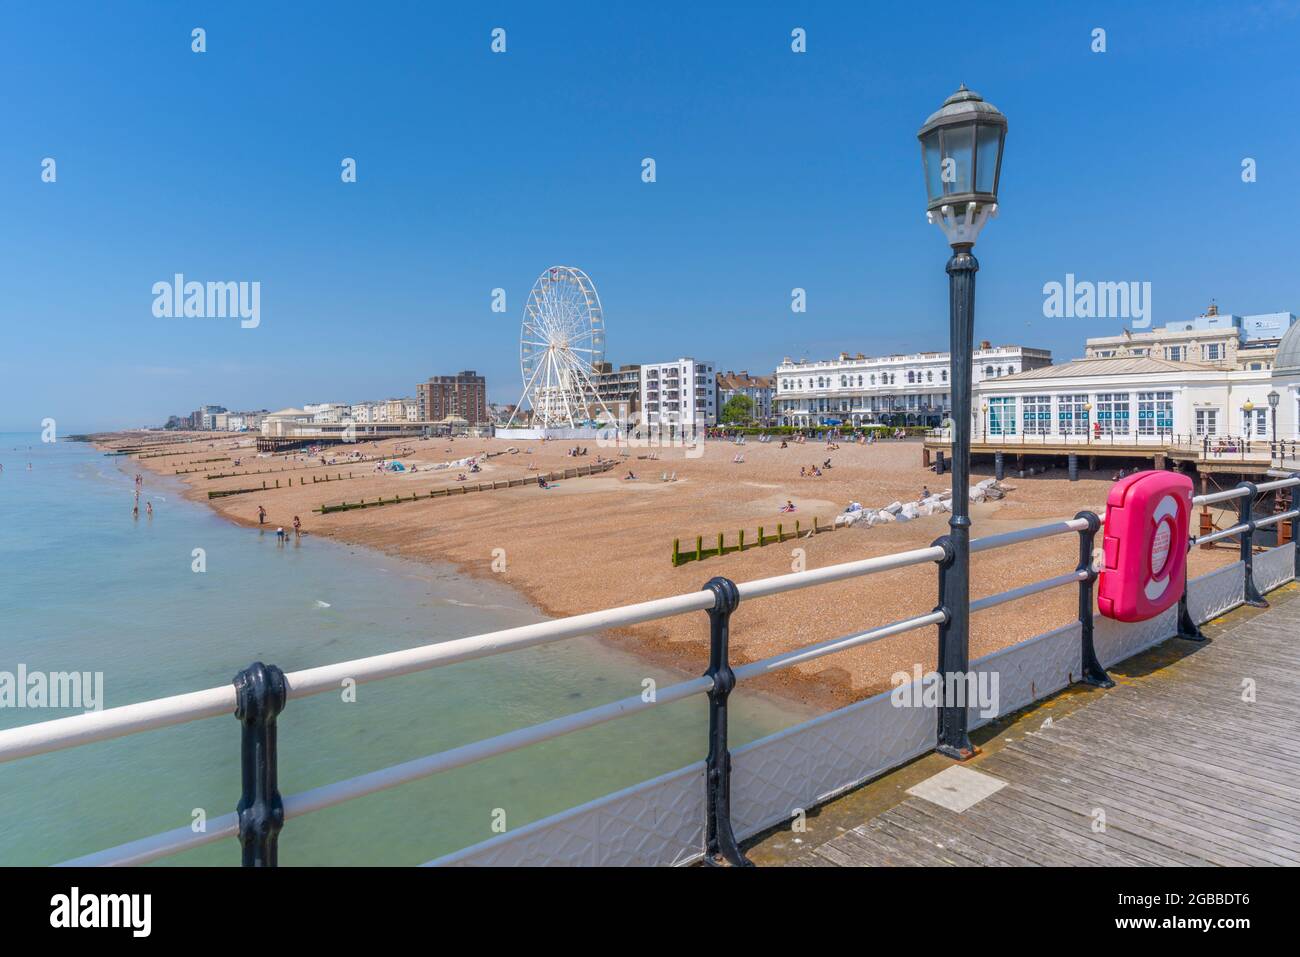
(87, 586)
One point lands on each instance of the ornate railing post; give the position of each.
(1188, 628)
(720, 846)
(1093, 672)
(954, 655)
(1246, 517)
(260, 694)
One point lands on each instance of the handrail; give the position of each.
(92, 726)
(131, 719)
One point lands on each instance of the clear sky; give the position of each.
(478, 170)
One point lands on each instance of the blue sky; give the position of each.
(477, 170)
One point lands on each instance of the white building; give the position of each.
(1217, 339)
(1140, 399)
(912, 389)
(328, 412)
(285, 421)
(683, 393)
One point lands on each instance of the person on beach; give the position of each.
(261, 515)
(788, 506)
(297, 525)
(148, 509)
(925, 492)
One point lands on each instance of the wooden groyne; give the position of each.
(465, 489)
(315, 479)
(681, 556)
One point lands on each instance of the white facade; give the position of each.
(1135, 399)
(328, 412)
(285, 421)
(683, 393)
(913, 389)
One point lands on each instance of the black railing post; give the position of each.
(260, 694)
(1093, 672)
(954, 656)
(1246, 517)
(1295, 525)
(720, 846)
(1188, 628)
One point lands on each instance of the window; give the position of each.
(1176, 353)
(944, 375)
(1214, 350)
(844, 381)
(1113, 413)
(1038, 414)
(1207, 421)
(929, 376)
(1155, 413)
(1071, 414)
(988, 371)
(873, 379)
(911, 376)
(1002, 416)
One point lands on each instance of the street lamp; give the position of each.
(1246, 407)
(961, 156)
(1087, 421)
(984, 420)
(1273, 400)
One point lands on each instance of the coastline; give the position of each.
(661, 654)
(599, 541)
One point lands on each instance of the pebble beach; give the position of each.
(597, 541)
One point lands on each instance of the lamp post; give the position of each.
(1273, 400)
(961, 155)
(1087, 421)
(1246, 407)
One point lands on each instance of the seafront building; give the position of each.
(912, 389)
(1218, 339)
(681, 394)
(758, 389)
(463, 396)
(1142, 387)
(619, 389)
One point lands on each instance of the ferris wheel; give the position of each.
(561, 341)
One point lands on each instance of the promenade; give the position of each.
(1173, 766)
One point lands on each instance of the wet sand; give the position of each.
(595, 542)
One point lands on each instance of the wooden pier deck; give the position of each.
(1171, 767)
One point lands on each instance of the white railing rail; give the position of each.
(132, 719)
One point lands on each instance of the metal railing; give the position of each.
(258, 694)
(1204, 447)
(1244, 530)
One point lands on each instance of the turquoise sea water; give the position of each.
(85, 587)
